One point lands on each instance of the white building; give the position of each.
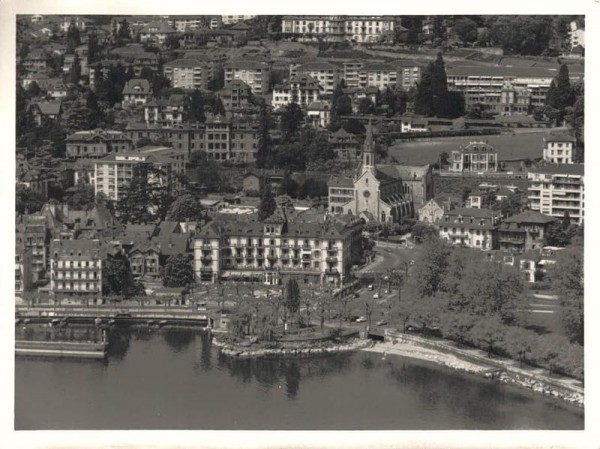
(303, 89)
(558, 188)
(473, 228)
(559, 148)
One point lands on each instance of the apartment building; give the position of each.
(187, 23)
(23, 275)
(351, 72)
(32, 235)
(278, 249)
(474, 157)
(318, 114)
(113, 173)
(255, 74)
(240, 141)
(576, 34)
(483, 85)
(524, 232)
(236, 95)
(166, 113)
(137, 91)
(96, 143)
(555, 189)
(189, 73)
(156, 33)
(473, 228)
(340, 28)
(235, 18)
(76, 269)
(379, 75)
(326, 73)
(559, 148)
(514, 100)
(303, 89)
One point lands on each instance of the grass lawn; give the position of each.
(509, 146)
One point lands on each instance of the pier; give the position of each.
(63, 349)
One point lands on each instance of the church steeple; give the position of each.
(369, 148)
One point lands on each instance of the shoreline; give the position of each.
(415, 351)
(234, 350)
(506, 376)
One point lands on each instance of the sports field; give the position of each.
(510, 147)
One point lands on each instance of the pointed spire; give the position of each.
(368, 148)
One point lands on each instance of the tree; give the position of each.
(207, 173)
(512, 205)
(185, 207)
(196, 106)
(292, 297)
(422, 232)
(73, 38)
(291, 119)
(267, 204)
(178, 271)
(430, 269)
(424, 97)
(263, 157)
(288, 186)
(488, 333)
(567, 277)
(75, 71)
(556, 235)
(81, 197)
(33, 90)
(146, 199)
(218, 80)
(466, 30)
(172, 42)
(490, 289)
(27, 200)
(117, 278)
(366, 106)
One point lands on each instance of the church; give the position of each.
(379, 192)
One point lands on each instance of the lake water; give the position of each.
(175, 379)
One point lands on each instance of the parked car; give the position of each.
(370, 287)
(376, 296)
(361, 319)
(356, 295)
(382, 323)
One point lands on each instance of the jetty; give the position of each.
(62, 349)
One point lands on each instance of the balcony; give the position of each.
(206, 269)
(207, 246)
(332, 260)
(206, 258)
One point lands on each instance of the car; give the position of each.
(356, 295)
(382, 323)
(370, 287)
(361, 319)
(376, 296)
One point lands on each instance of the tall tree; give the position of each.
(267, 204)
(424, 104)
(178, 271)
(75, 71)
(117, 278)
(185, 207)
(430, 270)
(291, 120)
(262, 154)
(196, 106)
(73, 38)
(567, 277)
(147, 198)
(81, 197)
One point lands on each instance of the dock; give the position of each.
(61, 349)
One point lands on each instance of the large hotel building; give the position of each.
(318, 251)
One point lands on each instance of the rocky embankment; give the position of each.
(508, 375)
(299, 349)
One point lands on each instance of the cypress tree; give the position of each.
(564, 92)
(424, 97)
(439, 87)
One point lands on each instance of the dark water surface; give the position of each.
(175, 379)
